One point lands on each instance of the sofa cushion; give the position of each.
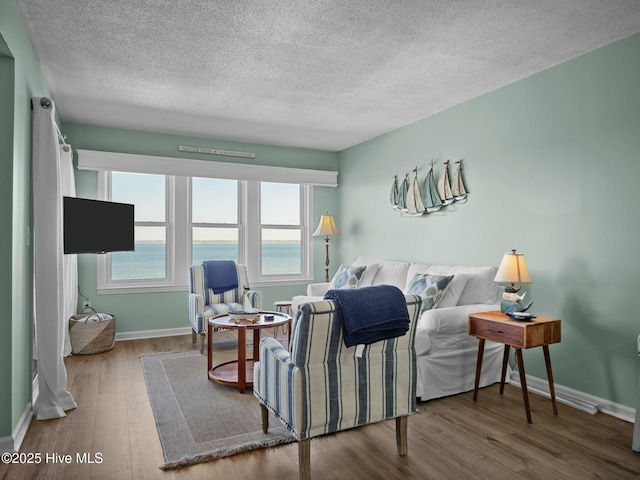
(480, 287)
(431, 288)
(347, 277)
(389, 272)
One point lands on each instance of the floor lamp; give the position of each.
(326, 228)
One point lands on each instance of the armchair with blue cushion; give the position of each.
(333, 379)
(217, 287)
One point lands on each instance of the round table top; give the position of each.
(225, 321)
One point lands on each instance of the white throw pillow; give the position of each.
(392, 273)
(480, 287)
(454, 292)
(369, 274)
(347, 277)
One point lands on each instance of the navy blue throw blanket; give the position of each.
(371, 314)
(220, 275)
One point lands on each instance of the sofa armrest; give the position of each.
(283, 374)
(442, 322)
(255, 299)
(317, 289)
(452, 319)
(196, 304)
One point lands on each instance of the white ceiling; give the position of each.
(320, 74)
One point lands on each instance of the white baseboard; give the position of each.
(14, 442)
(165, 332)
(574, 398)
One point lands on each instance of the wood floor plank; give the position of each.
(451, 438)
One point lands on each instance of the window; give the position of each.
(215, 221)
(148, 193)
(280, 229)
(181, 221)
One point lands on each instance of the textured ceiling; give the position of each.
(320, 74)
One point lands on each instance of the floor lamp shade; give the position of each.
(326, 228)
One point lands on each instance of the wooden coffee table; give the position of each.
(239, 373)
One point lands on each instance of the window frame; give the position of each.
(179, 238)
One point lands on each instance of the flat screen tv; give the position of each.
(95, 226)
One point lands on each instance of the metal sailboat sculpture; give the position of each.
(430, 198)
(444, 186)
(393, 195)
(415, 208)
(458, 187)
(403, 191)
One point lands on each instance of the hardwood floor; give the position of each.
(450, 438)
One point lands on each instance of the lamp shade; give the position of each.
(513, 269)
(326, 227)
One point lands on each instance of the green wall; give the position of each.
(150, 311)
(20, 79)
(553, 165)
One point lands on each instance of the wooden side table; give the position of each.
(497, 327)
(239, 373)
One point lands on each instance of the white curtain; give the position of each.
(51, 319)
(69, 262)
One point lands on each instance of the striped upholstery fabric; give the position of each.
(204, 304)
(321, 386)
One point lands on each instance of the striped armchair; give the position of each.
(320, 386)
(204, 304)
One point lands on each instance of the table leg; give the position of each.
(552, 391)
(505, 361)
(242, 359)
(289, 334)
(256, 345)
(478, 367)
(523, 383)
(209, 342)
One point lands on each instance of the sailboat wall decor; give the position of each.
(414, 199)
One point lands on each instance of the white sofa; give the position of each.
(446, 353)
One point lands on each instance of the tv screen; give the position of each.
(94, 226)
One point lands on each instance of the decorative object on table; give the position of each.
(326, 228)
(413, 199)
(92, 332)
(513, 269)
(522, 316)
(248, 315)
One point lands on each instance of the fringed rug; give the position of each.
(199, 420)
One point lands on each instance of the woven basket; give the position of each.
(93, 337)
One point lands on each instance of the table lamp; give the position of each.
(513, 269)
(326, 228)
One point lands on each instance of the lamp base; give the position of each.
(511, 307)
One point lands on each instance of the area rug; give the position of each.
(199, 420)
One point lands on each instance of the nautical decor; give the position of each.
(413, 199)
(513, 269)
(458, 188)
(444, 186)
(415, 208)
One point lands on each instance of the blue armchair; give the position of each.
(204, 303)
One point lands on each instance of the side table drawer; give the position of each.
(501, 332)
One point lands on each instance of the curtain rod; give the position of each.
(46, 104)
